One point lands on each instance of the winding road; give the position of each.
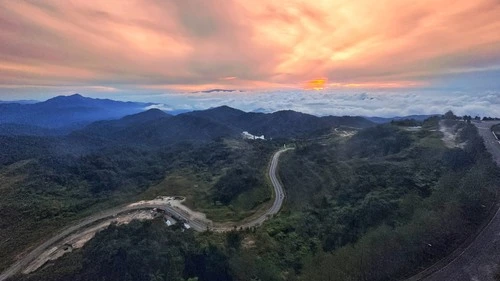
(279, 192)
(480, 260)
(197, 225)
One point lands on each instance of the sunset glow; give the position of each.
(190, 44)
(316, 84)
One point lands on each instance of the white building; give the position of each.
(248, 136)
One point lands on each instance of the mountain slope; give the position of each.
(108, 128)
(156, 127)
(179, 128)
(10, 129)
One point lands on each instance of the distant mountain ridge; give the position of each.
(67, 111)
(218, 90)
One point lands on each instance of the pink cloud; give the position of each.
(194, 44)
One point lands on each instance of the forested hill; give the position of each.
(157, 129)
(395, 198)
(287, 123)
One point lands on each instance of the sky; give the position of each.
(319, 51)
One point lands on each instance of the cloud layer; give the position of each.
(339, 103)
(198, 44)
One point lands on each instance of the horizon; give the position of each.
(178, 110)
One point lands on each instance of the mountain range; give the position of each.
(155, 126)
(218, 90)
(63, 112)
(86, 118)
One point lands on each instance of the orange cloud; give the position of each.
(189, 44)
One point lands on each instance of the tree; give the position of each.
(449, 115)
(233, 239)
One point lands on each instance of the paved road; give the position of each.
(195, 224)
(481, 259)
(279, 192)
(490, 140)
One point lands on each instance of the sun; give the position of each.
(316, 84)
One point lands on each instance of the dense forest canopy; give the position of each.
(380, 203)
